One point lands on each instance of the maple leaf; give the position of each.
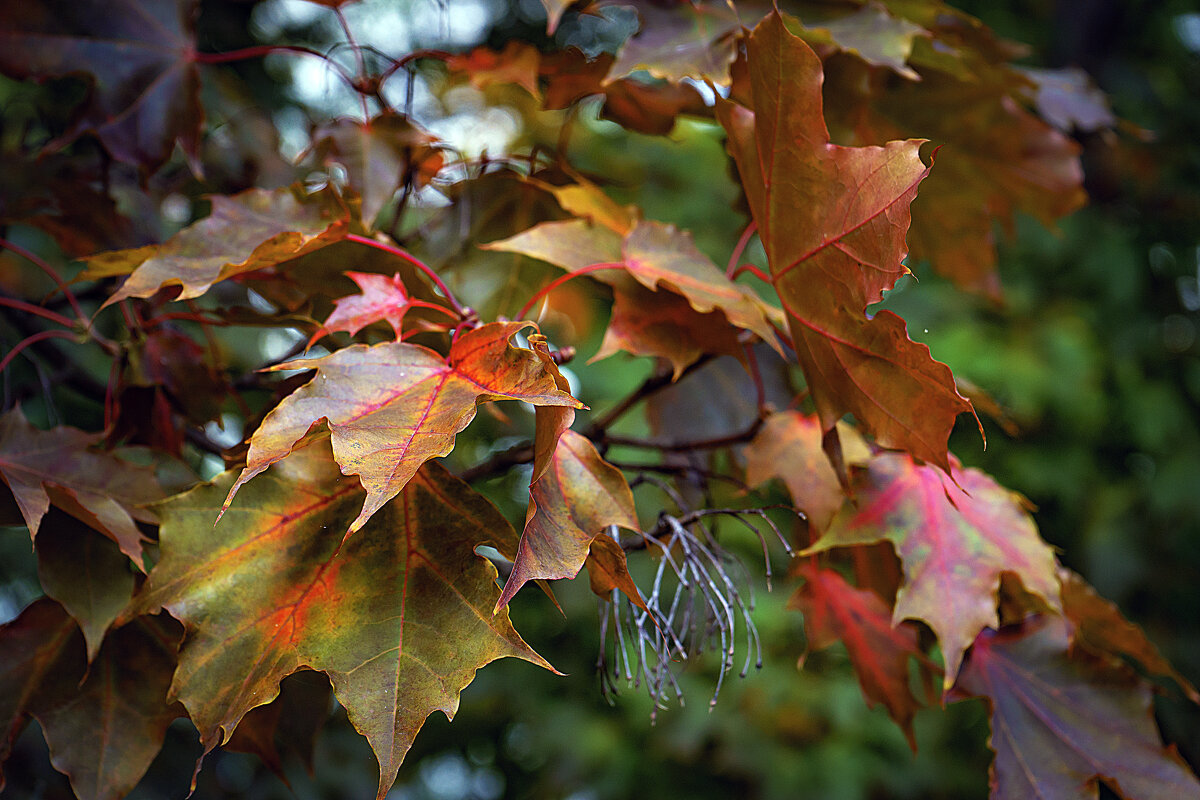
(86, 573)
(112, 726)
(654, 254)
(664, 324)
(289, 723)
(1060, 724)
(393, 406)
(680, 40)
(869, 32)
(994, 159)
(832, 220)
(248, 231)
(954, 540)
(44, 657)
(650, 108)
(579, 496)
(399, 616)
(879, 650)
(140, 58)
(380, 155)
(383, 299)
(789, 448)
(1100, 627)
(58, 465)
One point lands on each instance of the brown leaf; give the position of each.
(97, 488)
(1101, 628)
(650, 108)
(680, 40)
(393, 406)
(399, 616)
(44, 658)
(789, 448)
(1060, 724)
(246, 232)
(139, 57)
(832, 220)
(879, 649)
(579, 495)
(290, 722)
(954, 540)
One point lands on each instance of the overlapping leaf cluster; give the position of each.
(341, 546)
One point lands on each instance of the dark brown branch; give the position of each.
(728, 440)
(650, 386)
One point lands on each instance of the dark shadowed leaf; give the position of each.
(85, 572)
(1061, 723)
(879, 650)
(139, 56)
(393, 406)
(1101, 628)
(399, 617)
(870, 33)
(287, 724)
(833, 221)
(58, 466)
(680, 40)
(44, 659)
(105, 736)
(954, 540)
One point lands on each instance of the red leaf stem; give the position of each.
(554, 284)
(416, 262)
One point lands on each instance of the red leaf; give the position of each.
(954, 540)
(833, 220)
(394, 406)
(382, 299)
(879, 650)
(1061, 724)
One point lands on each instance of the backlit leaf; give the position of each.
(789, 448)
(139, 56)
(655, 254)
(399, 617)
(249, 231)
(879, 649)
(58, 466)
(383, 299)
(570, 505)
(954, 541)
(833, 221)
(393, 406)
(1060, 723)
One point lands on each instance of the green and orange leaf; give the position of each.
(399, 616)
